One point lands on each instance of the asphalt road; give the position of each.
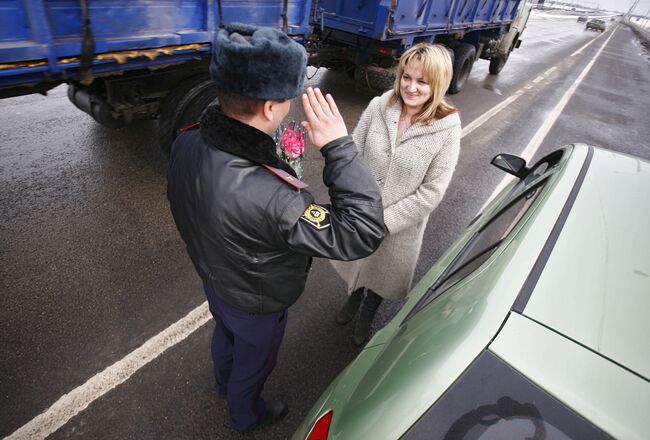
(91, 265)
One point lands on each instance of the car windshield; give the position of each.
(488, 239)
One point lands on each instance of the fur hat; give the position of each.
(258, 62)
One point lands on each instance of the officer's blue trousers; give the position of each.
(244, 352)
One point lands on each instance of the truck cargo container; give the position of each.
(128, 59)
(366, 37)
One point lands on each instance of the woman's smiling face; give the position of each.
(414, 89)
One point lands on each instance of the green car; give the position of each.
(534, 324)
(596, 24)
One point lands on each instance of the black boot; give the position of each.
(350, 307)
(366, 315)
(275, 411)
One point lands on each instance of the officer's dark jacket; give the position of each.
(249, 233)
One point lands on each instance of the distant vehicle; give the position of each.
(596, 24)
(532, 325)
(582, 19)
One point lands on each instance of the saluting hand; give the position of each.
(324, 122)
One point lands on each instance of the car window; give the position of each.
(483, 245)
(488, 239)
(492, 401)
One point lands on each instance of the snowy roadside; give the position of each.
(642, 33)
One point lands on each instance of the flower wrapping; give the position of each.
(290, 142)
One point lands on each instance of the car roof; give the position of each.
(595, 286)
(597, 390)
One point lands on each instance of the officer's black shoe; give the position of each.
(366, 315)
(275, 411)
(350, 307)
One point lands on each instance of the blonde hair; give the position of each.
(437, 71)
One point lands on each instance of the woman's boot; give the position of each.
(366, 315)
(350, 308)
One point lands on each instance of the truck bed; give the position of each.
(42, 40)
(414, 18)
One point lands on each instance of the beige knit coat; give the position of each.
(413, 173)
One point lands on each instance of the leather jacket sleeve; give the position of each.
(348, 228)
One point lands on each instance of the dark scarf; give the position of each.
(234, 137)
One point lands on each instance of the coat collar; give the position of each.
(235, 137)
(393, 113)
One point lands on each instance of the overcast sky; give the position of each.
(624, 5)
(617, 5)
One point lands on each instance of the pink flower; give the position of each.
(293, 142)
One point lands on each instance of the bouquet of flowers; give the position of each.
(290, 144)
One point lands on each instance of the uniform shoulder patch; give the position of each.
(317, 216)
(288, 178)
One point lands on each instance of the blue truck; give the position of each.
(130, 59)
(365, 38)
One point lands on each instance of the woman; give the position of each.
(410, 138)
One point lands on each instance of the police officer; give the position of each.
(250, 227)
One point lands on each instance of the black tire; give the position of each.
(464, 55)
(183, 106)
(496, 64)
(375, 78)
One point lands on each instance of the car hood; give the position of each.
(595, 287)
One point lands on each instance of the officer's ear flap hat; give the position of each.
(258, 62)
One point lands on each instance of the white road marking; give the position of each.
(541, 133)
(72, 403)
(488, 114)
(538, 79)
(549, 71)
(586, 45)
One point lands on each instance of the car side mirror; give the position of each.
(511, 164)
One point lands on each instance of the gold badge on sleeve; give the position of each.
(317, 216)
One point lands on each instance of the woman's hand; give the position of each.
(324, 122)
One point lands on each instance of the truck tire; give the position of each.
(375, 78)
(183, 106)
(497, 63)
(464, 55)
